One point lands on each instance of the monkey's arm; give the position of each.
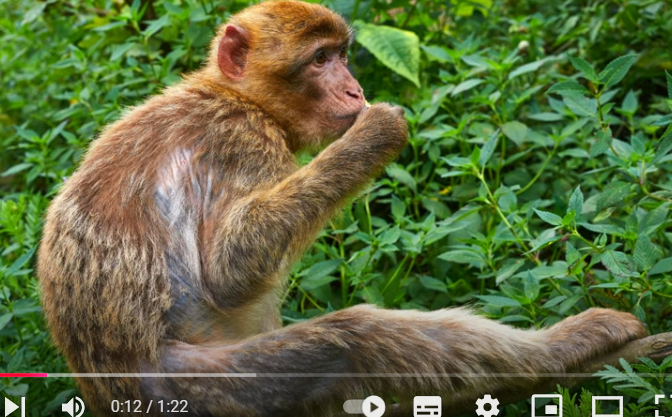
(306, 369)
(257, 237)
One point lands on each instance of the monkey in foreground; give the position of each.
(166, 251)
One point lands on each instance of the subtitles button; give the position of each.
(373, 406)
(426, 406)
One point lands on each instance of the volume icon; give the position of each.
(74, 407)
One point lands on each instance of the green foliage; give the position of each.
(537, 180)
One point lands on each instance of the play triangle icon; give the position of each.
(10, 407)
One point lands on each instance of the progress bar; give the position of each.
(315, 375)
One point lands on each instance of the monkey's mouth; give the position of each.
(347, 117)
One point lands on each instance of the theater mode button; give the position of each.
(373, 406)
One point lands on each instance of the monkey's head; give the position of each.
(290, 59)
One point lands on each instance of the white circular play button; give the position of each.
(373, 406)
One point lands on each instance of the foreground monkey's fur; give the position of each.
(166, 250)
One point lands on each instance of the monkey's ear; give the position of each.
(232, 52)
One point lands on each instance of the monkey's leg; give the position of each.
(309, 369)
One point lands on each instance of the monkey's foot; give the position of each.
(593, 332)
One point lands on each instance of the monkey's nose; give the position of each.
(356, 94)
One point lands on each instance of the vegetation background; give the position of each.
(536, 183)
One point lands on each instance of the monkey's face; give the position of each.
(290, 58)
(329, 97)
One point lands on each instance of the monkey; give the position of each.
(163, 256)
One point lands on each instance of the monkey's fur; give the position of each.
(166, 250)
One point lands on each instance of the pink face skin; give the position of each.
(337, 97)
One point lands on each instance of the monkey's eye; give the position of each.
(343, 53)
(321, 58)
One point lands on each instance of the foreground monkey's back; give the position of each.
(102, 269)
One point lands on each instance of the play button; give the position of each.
(373, 406)
(10, 407)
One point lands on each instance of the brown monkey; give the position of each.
(165, 252)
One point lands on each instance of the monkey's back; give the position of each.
(105, 259)
(101, 263)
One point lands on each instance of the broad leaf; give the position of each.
(516, 131)
(645, 253)
(499, 301)
(581, 106)
(466, 85)
(616, 70)
(397, 49)
(586, 69)
(576, 201)
(569, 87)
(617, 263)
(548, 217)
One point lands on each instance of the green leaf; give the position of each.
(467, 8)
(614, 192)
(516, 131)
(319, 274)
(20, 262)
(462, 256)
(549, 217)
(576, 201)
(630, 103)
(669, 85)
(586, 69)
(581, 106)
(654, 219)
(398, 207)
(4, 319)
(661, 267)
(617, 263)
(438, 53)
(616, 70)
(546, 117)
(390, 236)
(498, 301)
(401, 175)
(433, 284)
(16, 169)
(110, 26)
(645, 254)
(609, 229)
(569, 87)
(555, 301)
(466, 85)
(120, 50)
(568, 303)
(156, 25)
(524, 69)
(544, 242)
(475, 156)
(601, 144)
(664, 146)
(531, 287)
(32, 14)
(397, 49)
(508, 269)
(488, 148)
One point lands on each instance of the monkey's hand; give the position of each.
(591, 333)
(382, 130)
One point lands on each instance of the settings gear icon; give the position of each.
(487, 399)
